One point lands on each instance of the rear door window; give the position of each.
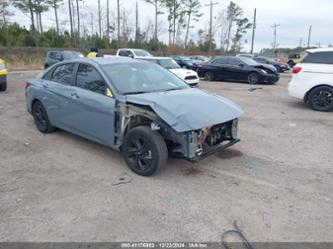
(63, 74)
(125, 53)
(319, 58)
(88, 78)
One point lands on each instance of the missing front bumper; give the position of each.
(214, 150)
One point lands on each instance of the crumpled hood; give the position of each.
(267, 66)
(188, 109)
(182, 73)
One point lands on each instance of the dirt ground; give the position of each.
(277, 182)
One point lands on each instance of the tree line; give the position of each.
(118, 28)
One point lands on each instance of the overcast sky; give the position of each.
(294, 16)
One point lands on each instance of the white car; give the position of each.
(312, 79)
(133, 53)
(189, 76)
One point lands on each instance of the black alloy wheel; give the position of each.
(41, 119)
(209, 76)
(144, 150)
(321, 99)
(253, 78)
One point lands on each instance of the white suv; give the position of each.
(133, 53)
(312, 79)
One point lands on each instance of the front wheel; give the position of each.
(144, 150)
(253, 78)
(321, 99)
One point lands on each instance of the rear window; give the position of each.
(319, 58)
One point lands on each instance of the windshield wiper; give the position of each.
(137, 92)
(173, 89)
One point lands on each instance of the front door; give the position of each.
(92, 111)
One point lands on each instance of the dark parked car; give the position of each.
(281, 67)
(186, 62)
(238, 69)
(53, 57)
(134, 106)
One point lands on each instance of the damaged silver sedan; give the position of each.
(136, 107)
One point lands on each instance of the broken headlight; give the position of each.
(234, 128)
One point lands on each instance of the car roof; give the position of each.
(106, 61)
(316, 50)
(155, 58)
(134, 49)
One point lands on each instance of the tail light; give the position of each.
(296, 69)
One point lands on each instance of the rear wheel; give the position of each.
(209, 76)
(321, 99)
(144, 150)
(41, 119)
(253, 78)
(3, 87)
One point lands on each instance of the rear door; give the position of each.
(220, 68)
(59, 85)
(318, 66)
(93, 111)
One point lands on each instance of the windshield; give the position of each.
(136, 78)
(168, 63)
(142, 53)
(248, 61)
(72, 55)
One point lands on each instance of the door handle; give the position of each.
(75, 96)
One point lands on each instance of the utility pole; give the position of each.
(108, 21)
(118, 23)
(254, 29)
(300, 42)
(309, 36)
(174, 23)
(275, 26)
(211, 4)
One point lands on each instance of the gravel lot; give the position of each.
(277, 182)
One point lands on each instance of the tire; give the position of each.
(209, 76)
(41, 118)
(253, 78)
(144, 151)
(3, 87)
(291, 64)
(321, 99)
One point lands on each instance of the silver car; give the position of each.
(133, 106)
